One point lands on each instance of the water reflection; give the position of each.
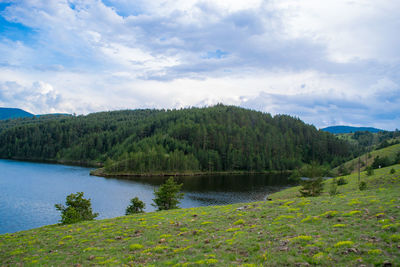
(222, 189)
(220, 183)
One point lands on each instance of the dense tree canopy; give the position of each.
(367, 140)
(219, 138)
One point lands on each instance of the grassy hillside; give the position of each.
(366, 141)
(350, 229)
(368, 158)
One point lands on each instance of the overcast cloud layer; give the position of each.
(327, 62)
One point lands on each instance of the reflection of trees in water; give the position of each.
(236, 183)
(229, 197)
(220, 183)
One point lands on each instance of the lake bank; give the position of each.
(102, 173)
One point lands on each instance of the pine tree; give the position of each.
(78, 209)
(168, 195)
(136, 206)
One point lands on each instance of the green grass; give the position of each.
(368, 158)
(349, 229)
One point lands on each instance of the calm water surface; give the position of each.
(28, 192)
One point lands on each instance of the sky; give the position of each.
(333, 62)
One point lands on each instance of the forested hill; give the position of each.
(219, 138)
(12, 113)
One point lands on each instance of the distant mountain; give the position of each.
(350, 129)
(13, 113)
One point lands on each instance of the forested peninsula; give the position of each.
(193, 140)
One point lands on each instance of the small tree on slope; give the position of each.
(167, 195)
(78, 209)
(136, 206)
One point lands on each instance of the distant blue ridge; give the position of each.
(15, 113)
(350, 129)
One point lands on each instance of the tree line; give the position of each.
(218, 138)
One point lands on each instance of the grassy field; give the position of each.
(368, 158)
(353, 228)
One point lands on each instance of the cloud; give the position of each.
(38, 97)
(166, 34)
(308, 95)
(364, 30)
(286, 56)
(175, 35)
(377, 107)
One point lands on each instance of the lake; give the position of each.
(28, 192)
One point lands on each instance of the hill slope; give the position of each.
(219, 138)
(349, 129)
(353, 228)
(13, 113)
(391, 152)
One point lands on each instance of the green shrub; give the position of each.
(313, 170)
(380, 162)
(370, 171)
(341, 181)
(78, 209)
(362, 186)
(392, 170)
(333, 188)
(136, 206)
(295, 176)
(312, 187)
(343, 170)
(168, 196)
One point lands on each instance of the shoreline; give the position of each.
(60, 162)
(98, 172)
(126, 175)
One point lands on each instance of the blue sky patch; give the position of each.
(14, 31)
(217, 54)
(123, 9)
(72, 5)
(4, 6)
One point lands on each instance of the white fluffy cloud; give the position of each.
(330, 62)
(350, 30)
(34, 98)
